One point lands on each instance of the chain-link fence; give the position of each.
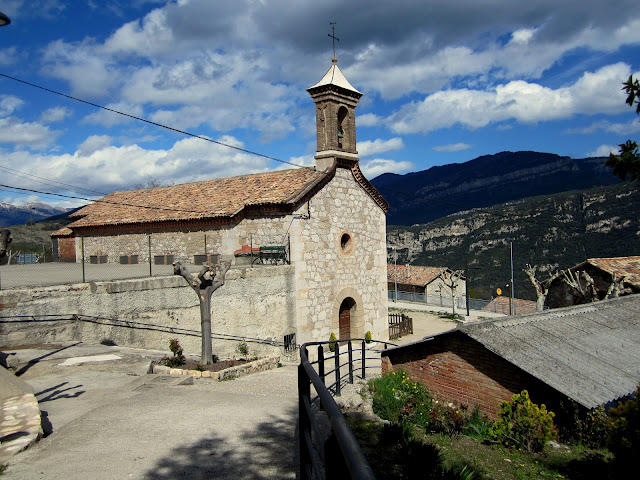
(145, 259)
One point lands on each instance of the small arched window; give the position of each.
(342, 114)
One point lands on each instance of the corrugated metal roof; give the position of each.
(590, 353)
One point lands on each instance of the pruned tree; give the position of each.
(627, 162)
(210, 279)
(581, 284)
(5, 240)
(451, 281)
(541, 286)
(617, 287)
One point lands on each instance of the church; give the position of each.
(326, 223)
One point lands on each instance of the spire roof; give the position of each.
(335, 77)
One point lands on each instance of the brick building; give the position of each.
(589, 354)
(328, 220)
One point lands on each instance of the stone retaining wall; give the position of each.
(230, 373)
(254, 303)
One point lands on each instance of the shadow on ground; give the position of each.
(269, 451)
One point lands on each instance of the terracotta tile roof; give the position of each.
(210, 199)
(370, 189)
(500, 304)
(62, 232)
(627, 267)
(413, 274)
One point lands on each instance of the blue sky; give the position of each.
(443, 82)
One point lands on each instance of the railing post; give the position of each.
(304, 391)
(364, 356)
(321, 364)
(350, 362)
(336, 356)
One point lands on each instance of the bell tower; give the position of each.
(335, 100)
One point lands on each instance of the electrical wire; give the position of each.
(184, 132)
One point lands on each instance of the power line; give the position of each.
(75, 197)
(240, 149)
(48, 181)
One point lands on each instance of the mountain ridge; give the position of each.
(485, 181)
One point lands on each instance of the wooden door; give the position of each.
(345, 323)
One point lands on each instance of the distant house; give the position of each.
(589, 354)
(422, 280)
(601, 270)
(500, 304)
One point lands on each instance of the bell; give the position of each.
(340, 132)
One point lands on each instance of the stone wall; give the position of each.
(183, 245)
(340, 252)
(456, 368)
(257, 303)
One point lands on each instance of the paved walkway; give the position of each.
(111, 420)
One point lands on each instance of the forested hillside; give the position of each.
(561, 230)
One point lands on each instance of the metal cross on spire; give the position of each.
(333, 36)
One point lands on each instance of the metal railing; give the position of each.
(328, 448)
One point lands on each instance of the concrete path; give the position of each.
(111, 420)
(427, 319)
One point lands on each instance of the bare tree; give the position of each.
(5, 240)
(617, 287)
(210, 278)
(542, 287)
(451, 281)
(582, 285)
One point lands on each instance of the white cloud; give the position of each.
(603, 151)
(93, 144)
(55, 114)
(369, 147)
(9, 104)
(606, 126)
(519, 100)
(378, 166)
(369, 120)
(101, 167)
(453, 147)
(14, 131)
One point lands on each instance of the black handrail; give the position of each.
(338, 455)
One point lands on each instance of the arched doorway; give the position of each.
(344, 318)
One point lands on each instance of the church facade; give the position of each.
(328, 222)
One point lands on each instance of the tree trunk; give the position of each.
(206, 351)
(5, 240)
(210, 278)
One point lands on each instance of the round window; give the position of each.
(346, 243)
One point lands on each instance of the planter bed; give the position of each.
(255, 366)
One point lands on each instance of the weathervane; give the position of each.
(333, 36)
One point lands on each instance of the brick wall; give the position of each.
(67, 249)
(456, 368)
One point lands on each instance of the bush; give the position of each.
(523, 424)
(178, 357)
(590, 429)
(332, 346)
(624, 440)
(395, 397)
(367, 336)
(242, 349)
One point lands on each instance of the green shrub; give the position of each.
(242, 349)
(624, 440)
(367, 336)
(332, 345)
(523, 424)
(590, 428)
(178, 357)
(395, 397)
